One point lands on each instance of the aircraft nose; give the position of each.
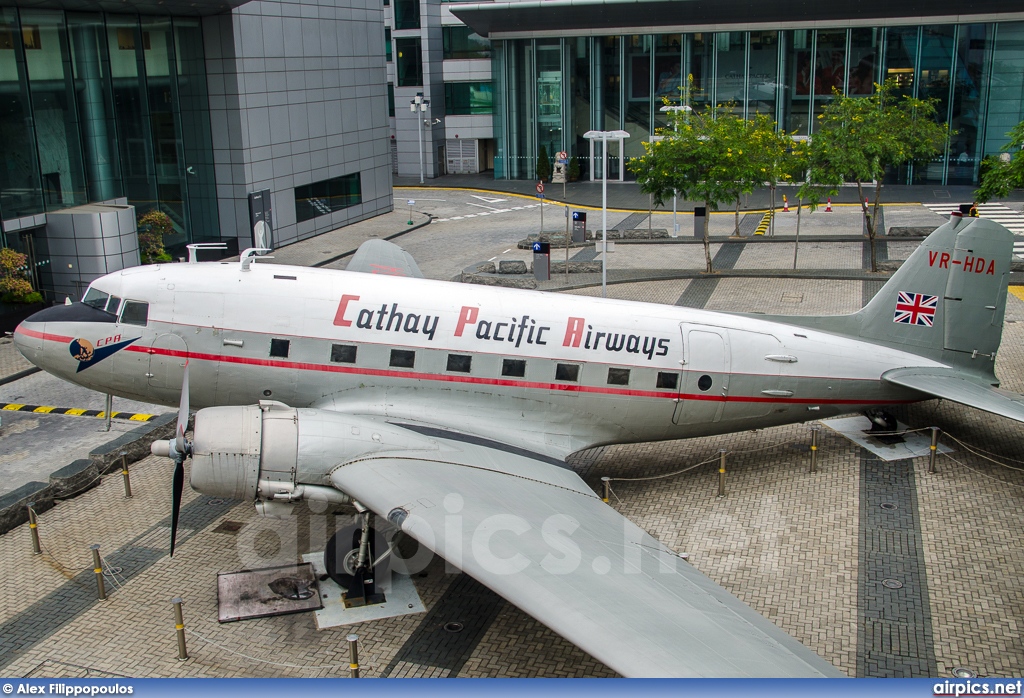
(28, 338)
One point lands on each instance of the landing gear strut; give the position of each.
(350, 559)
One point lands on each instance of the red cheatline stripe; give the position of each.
(303, 366)
(21, 329)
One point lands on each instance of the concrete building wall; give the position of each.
(298, 95)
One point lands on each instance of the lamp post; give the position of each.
(671, 108)
(419, 106)
(603, 136)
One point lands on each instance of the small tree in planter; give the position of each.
(14, 284)
(574, 169)
(543, 165)
(152, 227)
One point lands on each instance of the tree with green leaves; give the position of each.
(543, 165)
(856, 139)
(766, 156)
(152, 227)
(1003, 173)
(694, 158)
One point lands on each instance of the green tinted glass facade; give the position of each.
(554, 90)
(101, 106)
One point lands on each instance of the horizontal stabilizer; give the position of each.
(383, 257)
(949, 384)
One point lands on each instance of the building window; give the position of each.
(403, 358)
(410, 63)
(135, 313)
(279, 348)
(463, 42)
(468, 98)
(343, 353)
(407, 14)
(514, 368)
(668, 381)
(459, 363)
(327, 196)
(618, 376)
(567, 372)
(391, 99)
(387, 43)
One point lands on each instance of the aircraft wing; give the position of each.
(948, 384)
(537, 535)
(383, 257)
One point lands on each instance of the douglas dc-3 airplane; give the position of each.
(449, 410)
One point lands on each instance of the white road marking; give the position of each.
(1004, 215)
(489, 200)
(470, 203)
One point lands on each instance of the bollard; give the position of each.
(33, 527)
(814, 448)
(721, 472)
(606, 482)
(108, 409)
(97, 567)
(125, 476)
(934, 449)
(353, 655)
(179, 628)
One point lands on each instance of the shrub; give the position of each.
(14, 283)
(543, 165)
(574, 169)
(152, 227)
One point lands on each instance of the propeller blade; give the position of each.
(178, 483)
(179, 432)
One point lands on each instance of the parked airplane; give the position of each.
(448, 410)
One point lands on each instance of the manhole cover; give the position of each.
(892, 584)
(214, 501)
(228, 527)
(454, 627)
(889, 506)
(964, 673)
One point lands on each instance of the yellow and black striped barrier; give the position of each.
(762, 227)
(76, 412)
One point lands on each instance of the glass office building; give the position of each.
(96, 107)
(550, 90)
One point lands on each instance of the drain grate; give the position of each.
(889, 506)
(454, 627)
(892, 584)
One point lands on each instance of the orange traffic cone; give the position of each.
(785, 204)
(828, 206)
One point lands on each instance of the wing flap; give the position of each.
(951, 385)
(383, 257)
(558, 552)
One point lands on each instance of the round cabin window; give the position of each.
(704, 382)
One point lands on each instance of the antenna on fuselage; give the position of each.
(193, 249)
(250, 254)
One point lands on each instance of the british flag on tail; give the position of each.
(915, 308)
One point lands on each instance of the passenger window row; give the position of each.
(462, 363)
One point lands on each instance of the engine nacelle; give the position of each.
(273, 452)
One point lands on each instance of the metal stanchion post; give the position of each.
(97, 567)
(125, 476)
(33, 527)
(814, 448)
(721, 472)
(179, 628)
(108, 409)
(353, 655)
(933, 449)
(606, 483)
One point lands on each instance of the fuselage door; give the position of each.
(167, 355)
(704, 385)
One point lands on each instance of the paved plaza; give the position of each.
(808, 551)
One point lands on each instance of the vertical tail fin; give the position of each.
(946, 302)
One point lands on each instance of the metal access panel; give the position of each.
(272, 591)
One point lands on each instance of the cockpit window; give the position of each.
(96, 298)
(135, 313)
(112, 305)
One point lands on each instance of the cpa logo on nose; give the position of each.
(82, 349)
(87, 354)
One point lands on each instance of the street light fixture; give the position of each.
(673, 108)
(417, 106)
(603, 136)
